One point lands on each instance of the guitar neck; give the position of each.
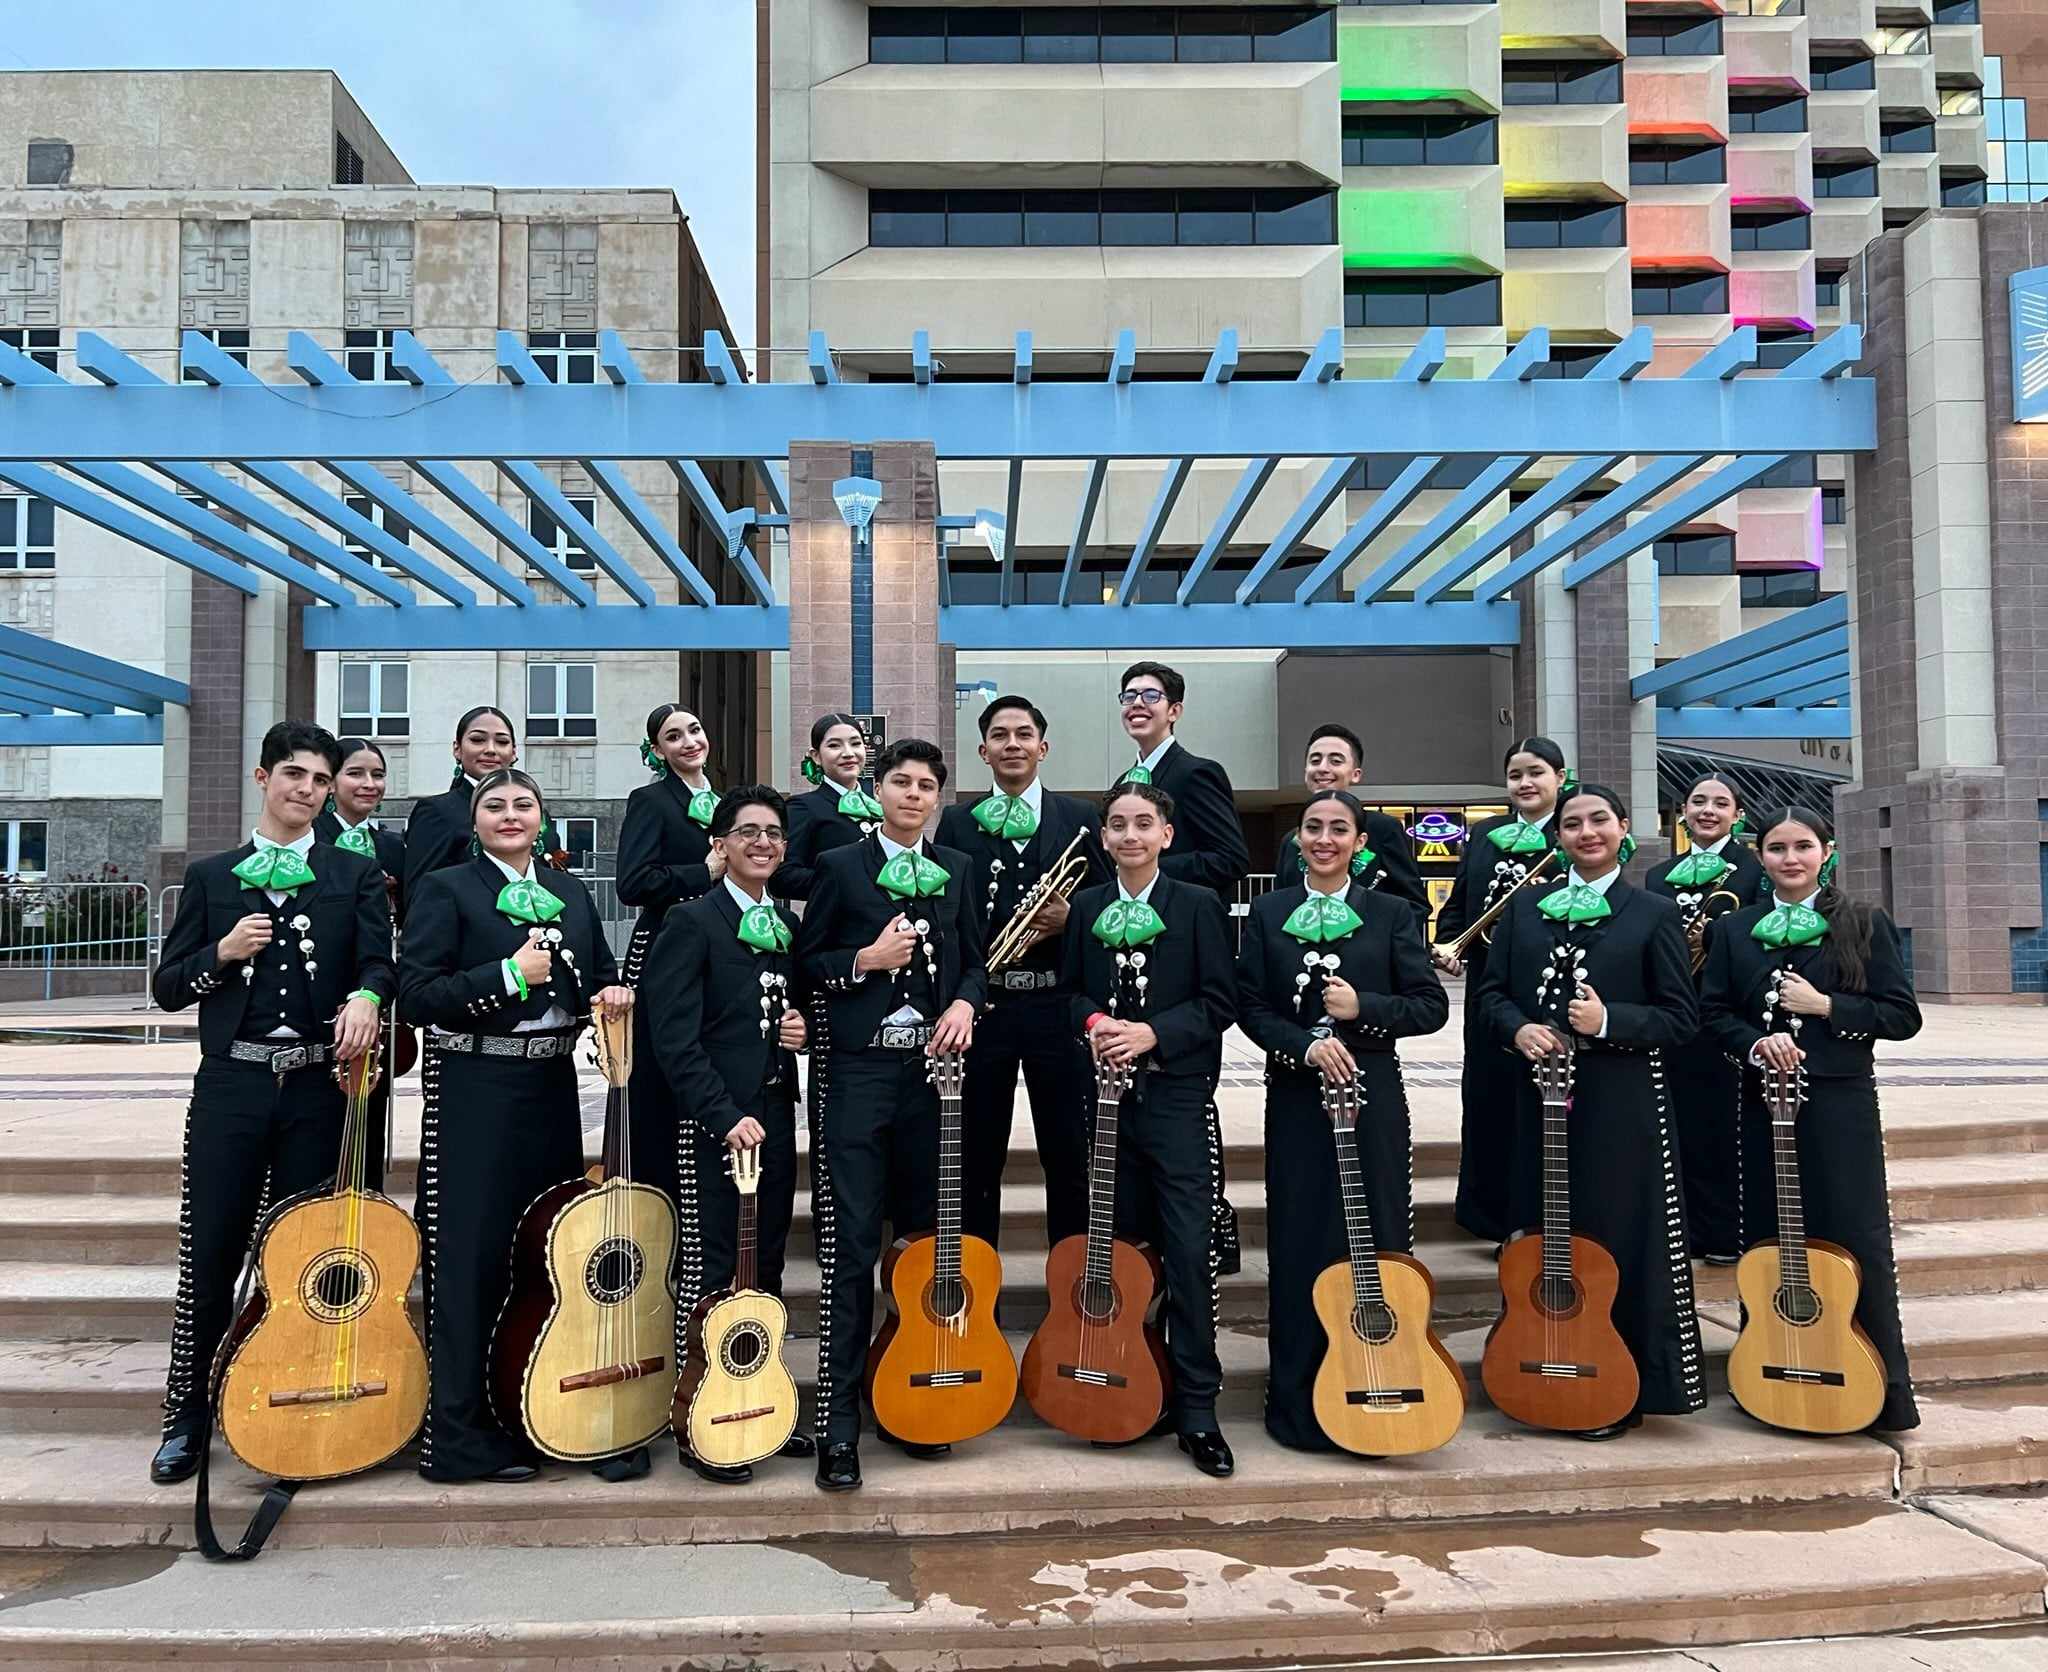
(1784, 1097)
(746, 1266)
(1557, 1183)
(618, 1143)
(946, 1256)
(1102, 1191)
(1365, 1258)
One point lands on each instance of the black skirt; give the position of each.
(1490, 1085)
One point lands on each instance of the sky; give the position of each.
(482, 92)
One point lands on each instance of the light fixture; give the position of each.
(993, 530)
(857, 497)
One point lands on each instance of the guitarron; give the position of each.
(1553, 1357)
(583, 1358)
(1387, 1387)
(325, 1373)
(1802, 1361)
(1096, 1368)
(939, 1370)
(736, 1402)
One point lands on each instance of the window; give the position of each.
(1780, 589)
(28, 532)
(1840, 75)
(1565, 226)
(1963, 192)
(579, 838)
(1695, 554)
(1955, 11)
(1766, 113)
(348, 163)
(375, 514)
(1834, 504)
(1560, 81)
(49, 162)
(1408, 141)
(1378, 470)
(1677, 165)
(368, 356)
(28, 848)
(1962, 101)
(376, 699)
(1674, 37)
(1568, 362)
(1827, 286)
(1659, 292)
(971, 219)
(233, 343)
(564, 356)
(1419, 301)
(1909, 40)
(1905, 138)
(1781, 348)
(563, 546)
(1847, 179)
(1750, 231)
(1101, 35)
(37, 342)
(561, 699)
(1795, 472)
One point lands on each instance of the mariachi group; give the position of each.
(1651, 1075)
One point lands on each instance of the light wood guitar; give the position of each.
(1096, 1368)
(736, 1402)
(1802, 1361)
(583, 1358)
(1553, 1357)
(325, 1374)
(1387, 1387)
(939, 1370)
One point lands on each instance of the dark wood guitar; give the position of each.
(325, 1374)
(1096, 1368)
(736, 1402)
(940, 1371)
(583, 1358)
(1553, 1357)
(1387, 1386)
(1802, 1361)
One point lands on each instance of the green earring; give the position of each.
(652, 756)
(1740, 825)
(1827, 869)
(331, 807)
(459, 779)
(476, 847)
(812, 771)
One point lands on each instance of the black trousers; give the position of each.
(497, 1132)
(875, 1156)
(1165, 1195)
(1032, 1032)
(1490, 1089)
(708, 1204)
(1706, 1093)
(1845, 1200)
(1305, 1223)
(251, 1141)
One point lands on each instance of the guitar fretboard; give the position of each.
(1784, 1092)
(1365, 1261)
(1102, 1191)
(746, 1265)
(946, 1255)
(1554, 1078)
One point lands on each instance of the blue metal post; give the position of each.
(863, 693)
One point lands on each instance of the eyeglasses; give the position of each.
(1151, 697)
(757, 833)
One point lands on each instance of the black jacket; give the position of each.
(436, 837)
(1738, 978)
(1484, 872)
(1745, 880)
(1392, 871)
(816, 827)
(662, 850)
(1399, 994)
(390, 846)
(1208, 843)
(1190, 996)
(703, 989)
(998, 893)
(457, 941)
(1635, 960)
(847, 910)
(351, 934)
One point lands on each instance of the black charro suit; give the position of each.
(390, 855)
(1208, 846)
(1025, 1027)
(437, 835)
(390, 844)
(1391, 870)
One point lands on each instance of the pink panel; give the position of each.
(1680, 102)
(1779, 528)
(1675, 234)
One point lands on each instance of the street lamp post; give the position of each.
(857, 496)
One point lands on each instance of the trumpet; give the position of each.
(1699, 917)
(1019, 935)
(1481, 927)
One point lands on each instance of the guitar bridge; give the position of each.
(1576, 1372)
(744, 1416)
(945, 1378)
(1094, 1378)
(1804, 1377)
(326, 1396)
(1378, 1397)
(611, 1375)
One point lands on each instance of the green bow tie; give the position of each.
(357, 840)
(702, 805)
(1697, 869)
(1128, 923)
(1139, 774)
(1518, 838)
(1359, 861)
(1321, 918)
(1007, 815)
(281, 869)
(856, 803)
(762, 928)
(1783, 926)
(1578, 902)
(528, 902)
(911, 876)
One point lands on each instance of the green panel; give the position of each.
(1386, 59)
(1408, 230)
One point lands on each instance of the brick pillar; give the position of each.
(217, 764)
(1606, 711)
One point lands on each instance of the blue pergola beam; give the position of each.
(68, 690)
(1773, 635)
(1395, 498)
(137, 683)
(818, 357)
(1228, 626)
(657, 627)
(1717, 686)
(1020, 364)
(89, 507)
(1701, 725)
(1012, 509)
(1820, 665)
(1834, 688)
(1463, 507)
(1652, 477)
(1693, 503)
(1221, 370)
(611, 482)
(1123, 362)
(34, 692)
(721, 369)
(16, 702)
(82, 731)
(920, 357)
(731, 524)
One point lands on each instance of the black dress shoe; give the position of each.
(511, 1474)
(628, 1465)
(839, 1466)
(1609, 1431)
(799, 1444)
(719, 1474)
(924, 1454)
(177, 1458)
(1722, 1259)
(1211, 1452)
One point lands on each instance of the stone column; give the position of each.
(216, 761)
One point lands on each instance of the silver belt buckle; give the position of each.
(291, 1057)
(541, 1049)
(903, 1036)
(1023, 981)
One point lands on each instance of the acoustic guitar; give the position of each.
(1387, 1387)
(1802, 1361)
(325, 1374)
(583, 1357)
(1553, 1357)
(939, 1370)
(736, 1402)
(1096, 1368)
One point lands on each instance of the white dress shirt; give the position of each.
(904, 1015)
(1151, 762)
(1600, 887)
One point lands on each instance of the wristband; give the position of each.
(365, 993)
(1094, 1016)
(518, 979)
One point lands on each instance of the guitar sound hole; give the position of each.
(338, 1286)
(1095, 1300)
(744, 1348)
(1557, 1294)
(1374, 1323)
(1799, 1307)
(614, 1270)
(946, 1297)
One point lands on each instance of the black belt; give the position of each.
(279, 1059)
(1025, 981)
(901, 1036)
(536, 1046)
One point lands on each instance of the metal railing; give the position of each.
(73, 927)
